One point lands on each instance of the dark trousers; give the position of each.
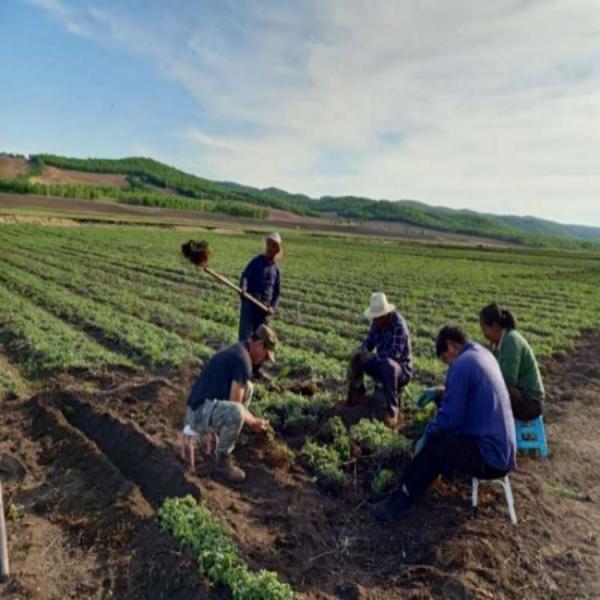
(524, 406)
(446, 453)
(390, 374)
(251, 318)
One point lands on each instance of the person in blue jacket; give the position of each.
(473, 431)
(262, 280)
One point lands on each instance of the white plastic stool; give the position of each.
(505, 483)
(188, 446)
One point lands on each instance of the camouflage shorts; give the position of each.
(223, 417)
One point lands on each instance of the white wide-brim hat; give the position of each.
(378, 306)
(275, 237)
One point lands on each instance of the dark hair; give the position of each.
(449, 333)
(492, 313)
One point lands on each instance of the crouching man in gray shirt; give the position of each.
(219, 400)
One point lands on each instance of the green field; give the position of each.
(91, 299)
(101, 296)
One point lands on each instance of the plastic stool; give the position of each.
(505, 483)
(534, 429)
(188, 446)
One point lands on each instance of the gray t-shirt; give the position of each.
(224, 367)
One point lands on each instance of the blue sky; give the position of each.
(493, 106)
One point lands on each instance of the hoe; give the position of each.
(198, 253)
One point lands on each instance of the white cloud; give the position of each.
(489, 106)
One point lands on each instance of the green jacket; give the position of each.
(518, 364)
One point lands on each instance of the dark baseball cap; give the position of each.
(267, 336)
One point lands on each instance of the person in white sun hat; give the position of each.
(262, 280)
(391, 363)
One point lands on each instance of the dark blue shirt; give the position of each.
(261, 279)
(222, 369)
(476, 403)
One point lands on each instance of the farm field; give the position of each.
(105, 328)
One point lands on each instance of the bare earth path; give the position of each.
(95, 465)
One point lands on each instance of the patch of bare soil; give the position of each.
(98, 464)
(58, 222)
(11, 166)
(55, 175)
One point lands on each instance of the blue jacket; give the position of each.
(476, 403)
(261, 279)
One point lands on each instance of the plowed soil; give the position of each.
(65, 176)
(11, 166)
(93, 465)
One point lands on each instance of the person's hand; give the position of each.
(260, 426)
(427, 396)
(420, 443)
(242, 294)
(272, 310)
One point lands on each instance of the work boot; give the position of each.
(395, 507)
(225, 468)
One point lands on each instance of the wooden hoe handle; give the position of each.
(238, 289)
(4, 571)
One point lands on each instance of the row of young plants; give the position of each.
(43, 345)
(216, 552)
(181, 309)
(164, 315)
(146, 344)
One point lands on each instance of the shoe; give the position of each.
(390, 420)
(225, 468)
(393, 508)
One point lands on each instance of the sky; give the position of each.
(491, 105)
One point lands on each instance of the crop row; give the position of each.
(43, 344)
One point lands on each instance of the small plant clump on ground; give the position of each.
(325, 461)
(383, 480)
(341, 442)
(378, 440)
(420, 419)
(218, 556)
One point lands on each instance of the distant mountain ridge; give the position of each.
(142, 172)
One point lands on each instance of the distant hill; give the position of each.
(148, 175)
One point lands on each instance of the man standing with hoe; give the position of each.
(391, 365)
(261, 280)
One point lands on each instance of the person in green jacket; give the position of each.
(517, 361)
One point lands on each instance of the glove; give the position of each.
(420, 443)
(427, 396)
